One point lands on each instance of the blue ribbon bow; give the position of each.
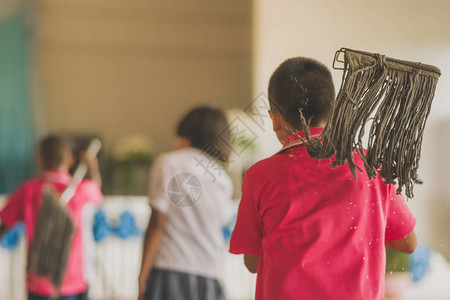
(419, 262)
(11, 238)
(125, 229)
(228, 228)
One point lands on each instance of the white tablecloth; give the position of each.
(116, 262)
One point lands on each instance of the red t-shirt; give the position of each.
(23, 205)
(319, 233)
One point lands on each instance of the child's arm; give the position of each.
(151, 244)
(407, 244)
(251, 262)
(92, 164)
(13, 210)
(247, 234)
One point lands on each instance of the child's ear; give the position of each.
(276, 120)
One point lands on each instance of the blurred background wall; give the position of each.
(115, 67)
(16, 110)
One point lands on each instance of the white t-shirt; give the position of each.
(192, 190)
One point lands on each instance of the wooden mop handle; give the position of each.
(92, 151)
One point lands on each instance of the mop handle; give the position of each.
(92, 151)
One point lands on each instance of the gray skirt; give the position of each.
(172, 285)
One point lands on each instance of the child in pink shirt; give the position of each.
(55, 158)
(308, 230)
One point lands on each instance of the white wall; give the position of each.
(410, 30)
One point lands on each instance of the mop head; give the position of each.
(52, 241)
(393, 97)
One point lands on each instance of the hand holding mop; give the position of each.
(395, 96)
(52, 242)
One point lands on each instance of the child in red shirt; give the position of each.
(55, 158)
(308, 230)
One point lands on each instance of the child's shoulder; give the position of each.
(269, 164)
(176, 155)
(30, 183)
(89, 191)
(185, 156)
(26, 188)
(88, 184)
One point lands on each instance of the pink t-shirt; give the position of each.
(319, 233)
(23, 205)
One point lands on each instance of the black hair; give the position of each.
(53, 151)
(207, 129)
(303, 85)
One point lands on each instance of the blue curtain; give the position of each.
(16, 124)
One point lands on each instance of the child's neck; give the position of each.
(286, 131)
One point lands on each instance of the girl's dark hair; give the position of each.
(207, 129)
(302, 84)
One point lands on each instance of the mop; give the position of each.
(52, 241)
(393, 97)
